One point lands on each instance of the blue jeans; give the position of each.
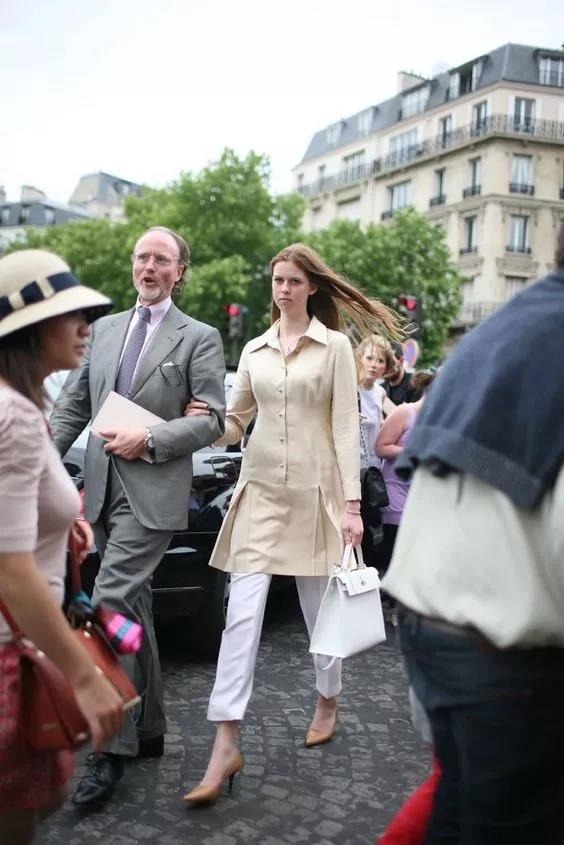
(497, 719)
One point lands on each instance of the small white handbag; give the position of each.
(350, 618)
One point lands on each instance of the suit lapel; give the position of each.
(165, 339)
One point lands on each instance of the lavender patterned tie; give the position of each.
(133, 351)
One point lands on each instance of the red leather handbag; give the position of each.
(49, 718)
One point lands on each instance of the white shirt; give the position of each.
(158, 313)
(371, 401)
(465, 553)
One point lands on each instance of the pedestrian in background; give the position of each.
(374, 361)
(389, 445)
(157, 357)
(44, 317)
(479, 571)
(297, 500)
(399, 385)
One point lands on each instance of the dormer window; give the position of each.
(415, 102)
(333, 133)
(551, 71)
(465, 79)
(476, 74)
(365, 119)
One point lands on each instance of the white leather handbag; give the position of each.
(350, 618)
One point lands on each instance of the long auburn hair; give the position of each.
(21, 363)
(337, 303)
(379, 343)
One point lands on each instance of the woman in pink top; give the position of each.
(44, 316)
(389, 444)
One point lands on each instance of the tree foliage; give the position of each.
(234, 226)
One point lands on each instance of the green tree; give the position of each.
(409, 255)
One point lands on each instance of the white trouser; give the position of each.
(241, 637)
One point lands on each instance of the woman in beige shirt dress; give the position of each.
(298, 496)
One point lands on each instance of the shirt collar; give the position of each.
(316, 331)
(158, 310)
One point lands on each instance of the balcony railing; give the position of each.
(467, 250)
(521, 188)
(495, 124)
(472, 191)
(440, 199)
(522, 250)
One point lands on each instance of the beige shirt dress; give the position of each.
(302, 461)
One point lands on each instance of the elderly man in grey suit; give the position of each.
(159, 358)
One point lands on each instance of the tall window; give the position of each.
(476, 74)
(439, 179)
(518, 240)
(321, 172)
(521, 174)
(551, 71)
(353, 165)
(402, 147)
(524, 114)
(50, 213)
(470, 235)
(399, 195)
(454, 85)
(475, 172)
(445, 130)
(364, 121)
(514, 285)
(5, 216)
(24, 214)
(415, 101)
(333, 134)
(480, 118)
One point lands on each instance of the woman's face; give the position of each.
(291, 288)
(373, 363)
(63, 341)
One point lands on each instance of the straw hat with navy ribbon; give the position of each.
(36, 285)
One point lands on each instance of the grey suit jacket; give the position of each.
(158, 493)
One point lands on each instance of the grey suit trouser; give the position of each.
(129, 555)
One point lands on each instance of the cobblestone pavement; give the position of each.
(343, 792)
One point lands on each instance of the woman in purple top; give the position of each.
(389, 444)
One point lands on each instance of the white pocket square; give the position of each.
(169, 364)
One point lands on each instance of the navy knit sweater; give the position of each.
(496, 409)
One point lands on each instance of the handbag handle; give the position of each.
(76, 587)
(349, 552)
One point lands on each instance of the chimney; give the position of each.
(2, 194)
(408, 80)
(31, 194)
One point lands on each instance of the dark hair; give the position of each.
(183, 254)
(337, 303)
(20, 363)
(421, 380)
(397, 349)
(559, 257)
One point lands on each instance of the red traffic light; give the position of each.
(232, 310)
(408, 302)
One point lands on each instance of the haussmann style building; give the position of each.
(479, 148)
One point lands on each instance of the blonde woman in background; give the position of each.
(374, 361)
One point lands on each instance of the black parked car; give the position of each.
(185, 588)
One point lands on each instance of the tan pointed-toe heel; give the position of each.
(314, 737)
(208, 794)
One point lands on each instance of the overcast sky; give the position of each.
(145, 90)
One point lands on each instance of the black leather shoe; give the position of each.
(98, 782)
(151, 747)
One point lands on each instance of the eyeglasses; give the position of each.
(160, 260)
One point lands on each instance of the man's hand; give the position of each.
(126, 443)
(194, 408)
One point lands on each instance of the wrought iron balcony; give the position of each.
(523, 250)
(521, 188)
(467, 250)
(472, 191)
(473, 312)
(496, 124)
(440, 199)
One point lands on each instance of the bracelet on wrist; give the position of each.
(352, 513)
